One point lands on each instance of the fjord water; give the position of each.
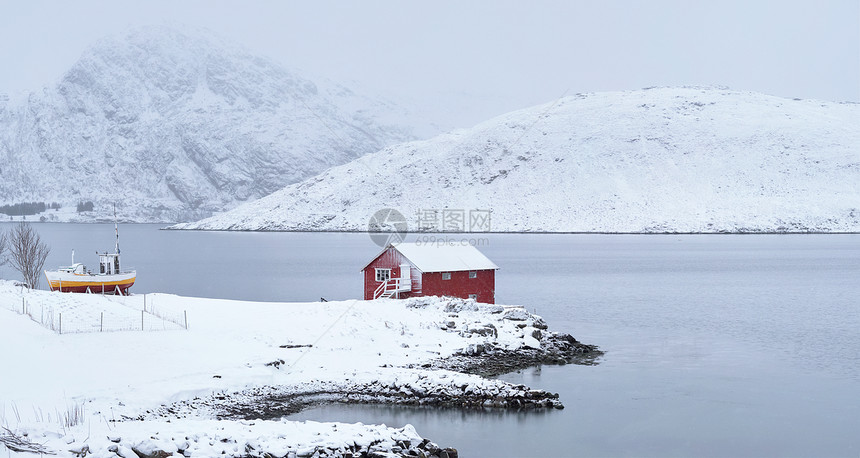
(716, 345)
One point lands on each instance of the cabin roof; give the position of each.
(430, 257)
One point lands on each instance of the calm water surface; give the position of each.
(716, 345)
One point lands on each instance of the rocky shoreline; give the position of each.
(272, 403)
(160, 447)
(268, 439)
(463, 384)
(488, 360)
(462, 380)
(478, 360)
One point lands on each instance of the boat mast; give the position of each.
(116, 229)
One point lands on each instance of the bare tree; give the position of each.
(3, 258)
(27, 253)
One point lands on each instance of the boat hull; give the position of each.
(85, 283)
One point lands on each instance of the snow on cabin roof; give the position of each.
(429, 257)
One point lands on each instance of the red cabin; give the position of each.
(410, 270)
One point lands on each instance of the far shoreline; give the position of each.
(345, 231)
(167, 226)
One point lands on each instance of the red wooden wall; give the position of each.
(460, 285)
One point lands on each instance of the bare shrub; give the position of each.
(27, 253)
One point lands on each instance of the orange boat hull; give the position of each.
(92, 283)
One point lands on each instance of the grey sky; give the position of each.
(480, 59)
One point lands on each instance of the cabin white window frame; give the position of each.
(473, 274)
(446, 275)
(386, 274)
(473, 296)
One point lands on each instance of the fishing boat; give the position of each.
(109, 279)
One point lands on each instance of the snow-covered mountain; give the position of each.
(654, 160)
(174, 125)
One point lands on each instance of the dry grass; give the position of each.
(73, 415)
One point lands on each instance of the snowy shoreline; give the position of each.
(224, 384)
(736, 231)
(174, 226)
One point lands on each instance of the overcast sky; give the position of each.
(482, 58)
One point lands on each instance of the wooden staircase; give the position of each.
(392, 287)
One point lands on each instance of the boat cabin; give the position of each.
(109, 263)
(416, 269)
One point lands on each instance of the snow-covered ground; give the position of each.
(655, 160)
(163, 384)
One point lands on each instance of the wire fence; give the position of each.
(68, 313)
(147, 304)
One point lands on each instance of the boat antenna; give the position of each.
(116, 228)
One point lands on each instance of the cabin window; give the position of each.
(473, 296)
(383, 274)
(473, 274)
(446, 275)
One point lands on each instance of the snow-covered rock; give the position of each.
(211, 438)
(174, 125)
(655, 160)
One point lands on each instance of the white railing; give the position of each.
(381, 289)
(391, 286)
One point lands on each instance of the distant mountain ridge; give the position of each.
(655, 160)
(176, 125)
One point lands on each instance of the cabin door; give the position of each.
(405, 282)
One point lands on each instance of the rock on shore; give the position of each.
(210, 438)
(436, 388)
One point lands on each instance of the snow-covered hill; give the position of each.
(174, 125)
(654, 160)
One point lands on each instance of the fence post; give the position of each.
(185, 312)
(61, 323)
(141, 319)
(102, 323)
(144, 301)
(23, 307)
